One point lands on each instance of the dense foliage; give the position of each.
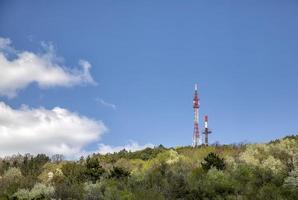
(253, 171)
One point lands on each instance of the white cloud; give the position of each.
(18, 69)
(107, 104)
(131, 146)
(4, 43)
(28, 130)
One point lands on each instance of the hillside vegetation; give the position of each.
(252, 171)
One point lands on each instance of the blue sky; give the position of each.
(146, 57)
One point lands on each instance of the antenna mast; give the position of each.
(196, 106)
(206, 131)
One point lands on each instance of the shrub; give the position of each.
(213, 160)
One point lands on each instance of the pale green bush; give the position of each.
(292, 179)
(39, 191)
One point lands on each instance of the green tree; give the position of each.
(74, 173)
(93, 169)
(32, 166)
(119, 172)
(10, 182)
(213, 160)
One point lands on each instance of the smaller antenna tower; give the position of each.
(206, 131)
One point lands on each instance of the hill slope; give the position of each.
(252, 171)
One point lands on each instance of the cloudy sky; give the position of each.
(99, 76)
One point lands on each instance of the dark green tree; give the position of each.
(94, 170)
(73, 172)
(213, 160)
(118, 172)
(32, 166)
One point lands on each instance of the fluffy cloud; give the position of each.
(28, 130)
(131, 146)
(21, 68)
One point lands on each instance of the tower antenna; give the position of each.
(196, 106)
(207, 131)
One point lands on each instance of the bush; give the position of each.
(39, 191)
(10, 182)
(118, 172)
(93, 169)
(213, 160)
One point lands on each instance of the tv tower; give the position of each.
(206, 131)
(196, 106)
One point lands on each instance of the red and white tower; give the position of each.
(196, 106)
(206, 131)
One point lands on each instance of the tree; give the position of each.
(69, 185)
(10, 182)
(32, 166)
(118, 172)
(74, 173)
(94, 170)
(57, 158)
(213, 160)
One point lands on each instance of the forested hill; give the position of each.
(252, 171)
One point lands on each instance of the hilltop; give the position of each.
(246, 171)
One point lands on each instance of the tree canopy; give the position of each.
(246, 171)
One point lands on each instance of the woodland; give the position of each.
(233, 172)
